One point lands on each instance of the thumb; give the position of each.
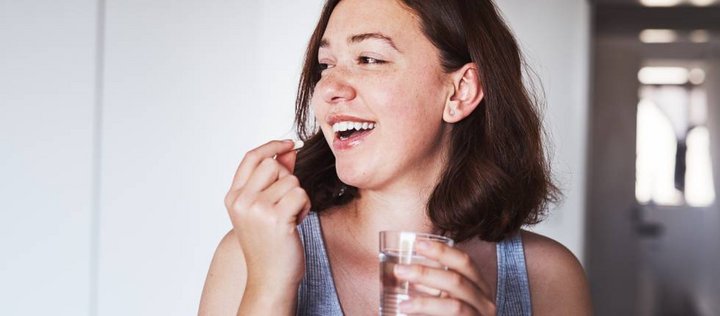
(287, 160)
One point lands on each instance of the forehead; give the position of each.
(388, 17)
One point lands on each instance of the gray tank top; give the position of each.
(317, 295)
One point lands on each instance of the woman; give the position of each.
(415, 118)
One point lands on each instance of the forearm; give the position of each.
(259, 302)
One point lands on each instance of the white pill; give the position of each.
(298, 144)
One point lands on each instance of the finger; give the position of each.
(295, 204)
(230, 198)
(451, 257)
(283, 172)
(280, 188)
(287, 160)
(306, 210)
(448, 281)
(264, 175)
(426, 305)
(253, 158)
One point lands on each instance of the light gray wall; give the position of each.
(190, 86)
(47, 91)
(555, 37)
(613, 256)
(707, 288)
(187, 88)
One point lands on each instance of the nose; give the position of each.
(335, 88)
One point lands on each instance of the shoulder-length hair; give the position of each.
(497, 177)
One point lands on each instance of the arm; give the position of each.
(558, 285)
(225, 282)
(557, 281)
(258, 266)
(224, 291)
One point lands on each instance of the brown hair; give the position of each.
(497, 177)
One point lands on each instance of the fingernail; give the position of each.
(402, 270)
(406, 306)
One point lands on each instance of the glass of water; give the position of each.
(399, 248)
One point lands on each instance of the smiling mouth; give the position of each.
(347, 129)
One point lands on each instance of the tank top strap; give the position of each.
(316, 295)
(513, 287)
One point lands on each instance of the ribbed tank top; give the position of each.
(317, 295)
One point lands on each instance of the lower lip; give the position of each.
(350, 142)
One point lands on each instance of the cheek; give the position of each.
(414, 119)
(418, 110)
(317, 108)
(315, 101)
(419, 100)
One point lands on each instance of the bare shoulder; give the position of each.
(558, 285)
(225, 281)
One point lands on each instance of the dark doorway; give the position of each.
(653, 243)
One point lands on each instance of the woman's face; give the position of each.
(381, 96)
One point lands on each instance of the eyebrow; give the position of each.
(354, 39)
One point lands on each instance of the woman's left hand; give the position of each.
(464, 292)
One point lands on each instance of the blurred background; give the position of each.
(122, 123)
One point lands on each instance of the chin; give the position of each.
(353, 176)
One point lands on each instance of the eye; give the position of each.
(370, 60)
(323, 66)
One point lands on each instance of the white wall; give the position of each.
(47, 72)
(555, 36)
(188, 87)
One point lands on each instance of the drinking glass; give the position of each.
(400, 248)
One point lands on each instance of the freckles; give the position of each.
(316, 106)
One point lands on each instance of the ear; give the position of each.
(467, 93)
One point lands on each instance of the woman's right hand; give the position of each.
(265, 203)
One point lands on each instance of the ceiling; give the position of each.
(636, 3)
(629, 16)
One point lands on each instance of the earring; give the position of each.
(342, 190)
(452, 112)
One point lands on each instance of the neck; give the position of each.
(400, 205)
(405, 210)
(374, 211)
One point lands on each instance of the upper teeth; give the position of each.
(346, 126)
